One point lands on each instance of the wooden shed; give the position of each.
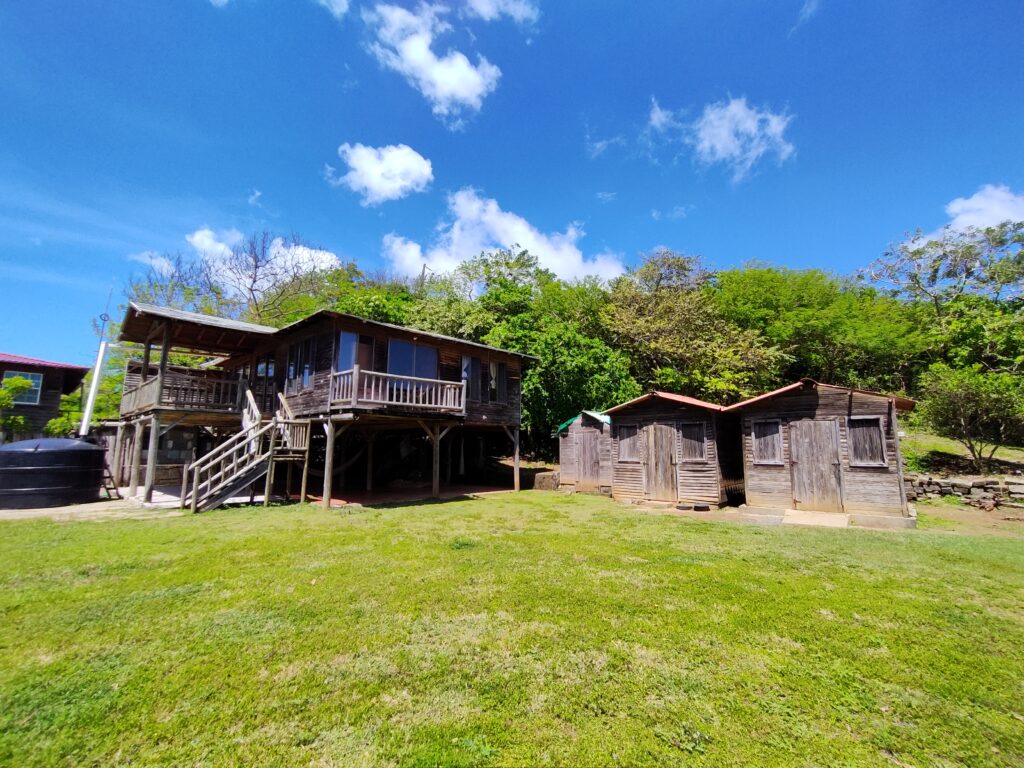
(584, 453)
(664, 448)
(824, 448)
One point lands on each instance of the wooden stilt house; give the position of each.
(824, 448)
(664, 447)
(333, 396)
(585, 453)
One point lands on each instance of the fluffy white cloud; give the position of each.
(451, 83)
(807, 11)
(155, 261)
(733, 133)
(380, 174)
(520, 11)
(254, 198)
(989, 206)
(673, 214)
(479, 224)
(212, 244)
(337, 8)
(292, 257)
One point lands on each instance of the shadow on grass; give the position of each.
(942, 462)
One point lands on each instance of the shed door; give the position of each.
(588, 459)
(661, 462)
(814, 452)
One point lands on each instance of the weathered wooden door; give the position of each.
(588, 459)
(814, 455)
(660, 471)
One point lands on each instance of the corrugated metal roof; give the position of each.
(596, 415)
(672, 396)
(195, 317)
(12, 359)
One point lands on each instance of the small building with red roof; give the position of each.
(50, 380)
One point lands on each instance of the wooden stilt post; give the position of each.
(329, 465)
(133, 479)
(288, 481)
(115, 461)
(270, 471)
(448, 462)
(305, 467)
(462, 453)
(152, 457)
(515, 460)
(371, 438)
(435, 438)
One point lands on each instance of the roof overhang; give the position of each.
(671, 397)
(190, 331)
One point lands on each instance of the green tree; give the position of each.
(980, 409)
(12, 423)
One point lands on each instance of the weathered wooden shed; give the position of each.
(664, 448)
(585, 454)
(824, 448)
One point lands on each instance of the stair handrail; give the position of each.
(224, 454)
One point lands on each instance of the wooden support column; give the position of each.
(145, 361)
(513, 435)
(329, 466)
(305, 466)
(133, 480)
(269, 487)
(462, 453)
(371, 438)
(151, 457)
(165, 350)
(435, 437)
(115, 460)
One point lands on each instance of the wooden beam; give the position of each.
(329, 465)
(151, 457)
(436, 464)
(133, 481)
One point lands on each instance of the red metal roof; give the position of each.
(681, 399)
(10, 359)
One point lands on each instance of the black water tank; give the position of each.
(49, 472)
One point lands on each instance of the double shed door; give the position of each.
(814, 457)
(660, 476)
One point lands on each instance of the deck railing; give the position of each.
(202, 392)
(357, 388)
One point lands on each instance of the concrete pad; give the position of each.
(823, 519)
(882, 521)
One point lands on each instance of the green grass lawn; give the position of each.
(925, 452)
(537, 629)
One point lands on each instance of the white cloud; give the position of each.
(606, 197)
(337, 8)
(219, 3)
(807, 11)
(301, 258)
(520, 11)
(673, 214)
(989, 206)
(479, 224)
(451, 83)
(254, 198)
(597, 147)
(155, 261)
(212, 244)
(737, 135)
(380, 174)
(660, 119)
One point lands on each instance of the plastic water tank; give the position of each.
(49, 472)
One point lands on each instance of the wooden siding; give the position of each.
(582, 432)
(37, 416)
(697, 481)
(863, 489)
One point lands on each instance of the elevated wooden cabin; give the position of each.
(664, 447)
(825, 448)
(585, 453)
(355, 379)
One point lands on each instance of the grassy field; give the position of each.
(930, 453)
(537, 629)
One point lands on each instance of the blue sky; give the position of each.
(798, 132)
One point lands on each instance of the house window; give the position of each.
(497, 383)
(629, 443)
(408, 359)
(352, 349)
(471, 375)
(301, 364)
(867, 441)
(767, 441)
(29, 396)
(693, 442)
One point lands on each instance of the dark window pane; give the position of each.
(426, 362)
(400, 357)
(346, 350)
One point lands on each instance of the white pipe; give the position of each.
(94, 387)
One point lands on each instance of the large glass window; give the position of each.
(29, 396)
(471, 375)
(301, 364)
(347, 344)
(408, 359)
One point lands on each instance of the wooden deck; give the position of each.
(357, 388)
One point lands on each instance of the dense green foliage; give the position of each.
(11, 423)
(954, 299)
(534, 629)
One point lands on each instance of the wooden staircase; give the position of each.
(246, 457)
